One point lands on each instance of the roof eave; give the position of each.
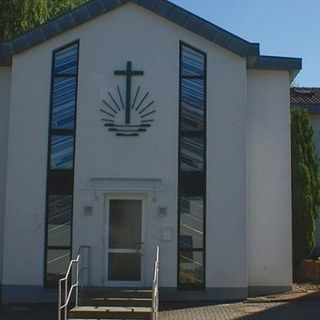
(200, 26)
(292, 65)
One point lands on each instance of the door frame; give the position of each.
(125, 196)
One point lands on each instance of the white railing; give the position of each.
(63, 303)
(63, 308)
(155, 288)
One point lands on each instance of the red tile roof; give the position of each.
(304, 96)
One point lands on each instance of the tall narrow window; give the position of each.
(62, 132)
(192, 169)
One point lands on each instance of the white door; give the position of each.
(125, 242)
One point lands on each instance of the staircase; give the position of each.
(107, 303)
(114, 303)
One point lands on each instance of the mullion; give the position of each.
(58, 247)
(191, 249)
(62, 132)
(64, 75)
(186, 77)
(192, 134)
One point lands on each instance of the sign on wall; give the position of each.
(128, 114)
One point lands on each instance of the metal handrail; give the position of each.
(155, 287)
(67, 295)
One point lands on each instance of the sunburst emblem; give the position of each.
(127, 117)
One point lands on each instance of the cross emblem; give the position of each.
(138, 110)
(129, 73)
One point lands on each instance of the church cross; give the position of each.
(129, 73)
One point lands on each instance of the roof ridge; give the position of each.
(94, 8)
(163, 8)
(143, 2)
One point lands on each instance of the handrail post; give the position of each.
(65, 298)
(59, 301)
(64, 302)
(155, 287)
(77, 282)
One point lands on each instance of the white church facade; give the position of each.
(131, 124)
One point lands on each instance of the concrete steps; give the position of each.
(88, 312)
(117, 302)
(114, 303)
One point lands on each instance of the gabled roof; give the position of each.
(163, 8)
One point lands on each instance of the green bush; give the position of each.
(305, 185)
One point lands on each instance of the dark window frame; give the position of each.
(59, 181)
(201, 191)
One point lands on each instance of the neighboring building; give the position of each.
(131, 124)
(309, 98)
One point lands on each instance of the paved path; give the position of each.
(28, 312)
(291, 310)
(298, 310)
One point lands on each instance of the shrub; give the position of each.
(305, 185)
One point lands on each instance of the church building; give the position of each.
(131, 124)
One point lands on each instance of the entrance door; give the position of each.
(125, 242)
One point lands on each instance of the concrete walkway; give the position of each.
(300, 308)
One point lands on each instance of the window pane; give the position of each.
(125, 224)
(192, 154)
(64, 99)
(124, 266)
(191, 222)
(59, 220)
(191, 268)
(66, 60)
(192, 104)
(61, 152)
(192, 62)
(57, 264)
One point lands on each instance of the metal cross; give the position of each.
(129, 73)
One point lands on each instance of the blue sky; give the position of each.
(282, 27)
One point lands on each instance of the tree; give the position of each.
(57, 7)
(18, 16)
(305, 185)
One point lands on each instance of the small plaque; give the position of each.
(163, 211)
(167, 234)
(88, 210)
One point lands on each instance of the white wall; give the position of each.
(269, 184)
(5, 79)
(106, 44)
(26, 170)
(154, 154)
(226, 173)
